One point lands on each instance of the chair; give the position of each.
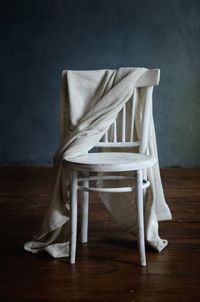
(113, 161)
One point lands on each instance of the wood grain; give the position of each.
(107, 267)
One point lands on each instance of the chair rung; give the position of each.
(108, 190)
(105, 177)
(145, 185)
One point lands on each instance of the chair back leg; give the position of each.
(85, 208)
(74, 210)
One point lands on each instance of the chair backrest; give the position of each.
(121, 133)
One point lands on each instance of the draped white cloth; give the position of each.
(90, 102)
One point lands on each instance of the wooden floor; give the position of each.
(107, 268)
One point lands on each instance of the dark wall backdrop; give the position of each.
(39, 38)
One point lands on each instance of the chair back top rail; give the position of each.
(150, 78)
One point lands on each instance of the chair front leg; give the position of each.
(140, 218)
(73, 211)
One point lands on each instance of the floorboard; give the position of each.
(107, 267)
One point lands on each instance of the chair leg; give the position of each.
(140, 218)
(73, 207)
(85, 207)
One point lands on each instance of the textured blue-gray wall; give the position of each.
(39, 38)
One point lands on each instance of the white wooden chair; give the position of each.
(115, 162)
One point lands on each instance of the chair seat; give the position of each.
(110, 161)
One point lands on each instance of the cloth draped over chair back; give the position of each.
(90, 102)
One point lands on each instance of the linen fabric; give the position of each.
(90, 102)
